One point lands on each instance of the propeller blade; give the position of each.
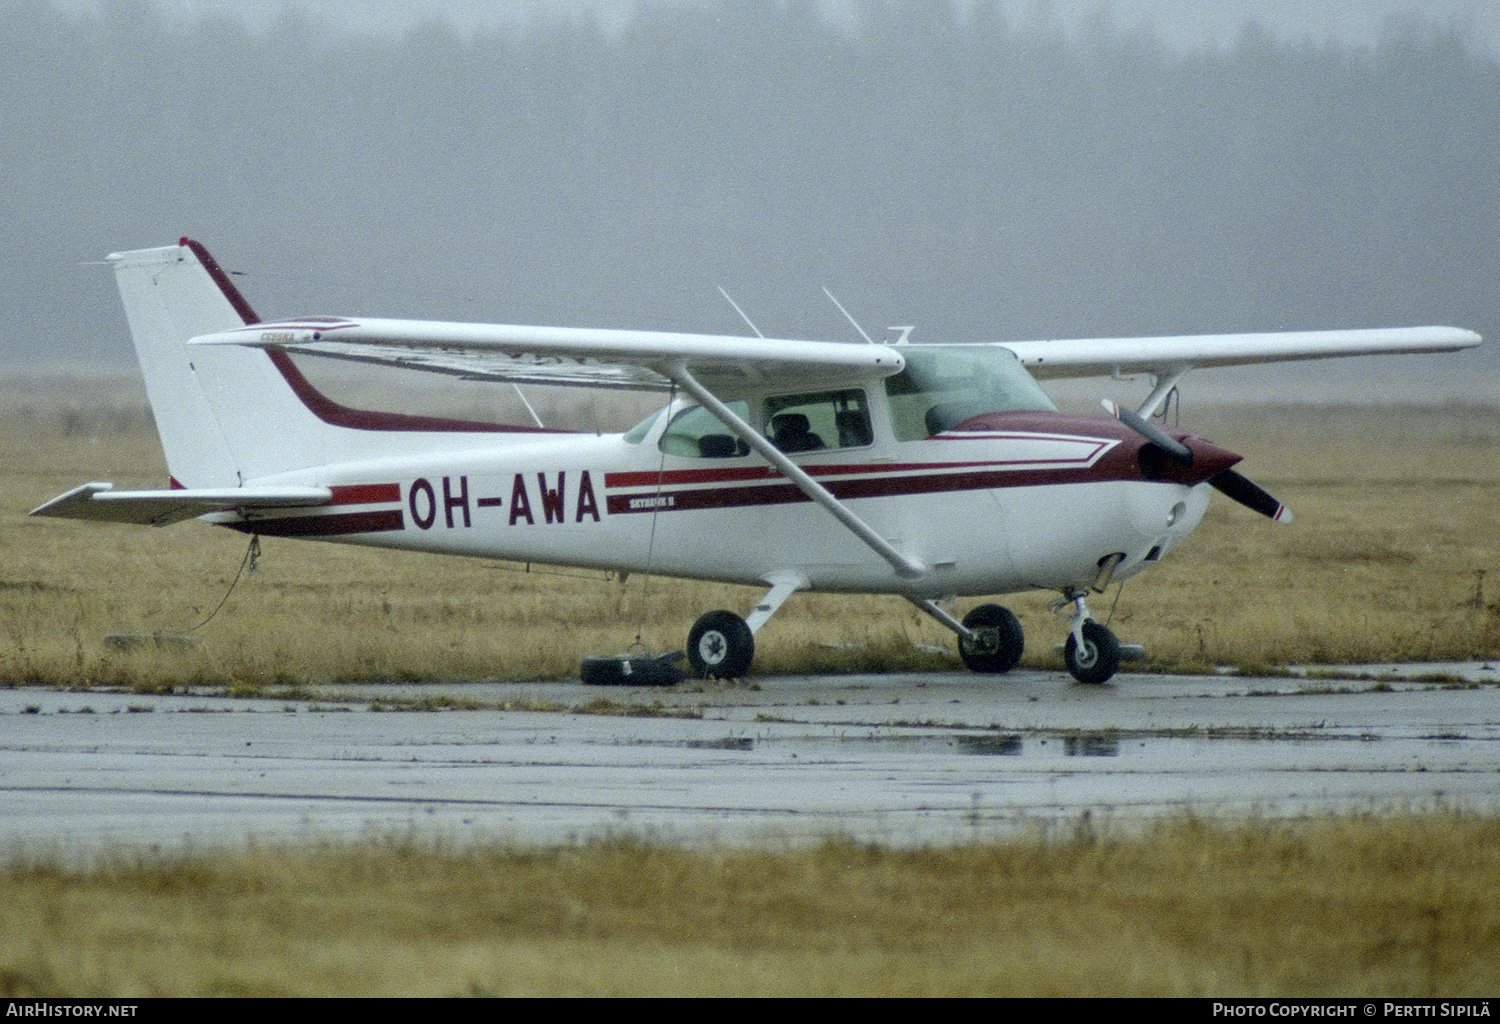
(1251, 495)
(1151, 432)
(1227, 481)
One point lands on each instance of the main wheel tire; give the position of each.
(1099, 658)
(1000, 643)
(720, 645)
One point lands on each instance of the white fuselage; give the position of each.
(984, 511)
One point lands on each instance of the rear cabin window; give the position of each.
(823, 419)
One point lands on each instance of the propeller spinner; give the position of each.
(1227, 482)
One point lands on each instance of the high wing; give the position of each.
(1174, 355)
(568, 355)
(645, 359)
(101, 503)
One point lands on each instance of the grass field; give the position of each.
(1390, 556)
(1398, 906)
(1398, 522)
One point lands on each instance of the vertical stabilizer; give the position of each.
(224, 415)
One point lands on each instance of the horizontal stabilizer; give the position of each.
(101, 503)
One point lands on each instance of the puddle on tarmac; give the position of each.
(1083, 744)
(1160, 752)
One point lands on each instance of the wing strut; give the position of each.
(906, 567)
(1165, 382)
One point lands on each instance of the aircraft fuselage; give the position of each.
(1005, 502)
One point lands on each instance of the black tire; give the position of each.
(1100, 657)
(1001, 640)
(720, 646)
(628, 670)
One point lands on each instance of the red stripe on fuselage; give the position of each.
(336, 524)
(316, 522)
(750, 474)
(365, 494)
(1106, 450)
(872, 487)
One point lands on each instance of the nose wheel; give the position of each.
(1097, 658)
(1092, 652)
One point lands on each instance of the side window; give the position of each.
(825, 419)
(696, 433)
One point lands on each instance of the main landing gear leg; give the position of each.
(1092, 652)
(722, 645)
(990, 639)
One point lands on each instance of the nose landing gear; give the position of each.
(990, 638)
(1092, 652)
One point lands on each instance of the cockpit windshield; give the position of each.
(943, 385)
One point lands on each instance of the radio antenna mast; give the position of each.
(840, 305)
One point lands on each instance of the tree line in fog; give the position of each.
(980, 177)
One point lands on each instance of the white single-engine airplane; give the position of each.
(925, 471)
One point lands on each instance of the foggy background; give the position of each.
(984, 171)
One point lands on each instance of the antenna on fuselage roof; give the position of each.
(741, 312)
(840, 305)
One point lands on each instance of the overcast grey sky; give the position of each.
(1013, 185)
(1183, 22)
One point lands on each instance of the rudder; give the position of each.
(224, 415)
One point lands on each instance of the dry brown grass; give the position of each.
(1397, 516)
(1399, 906)
(1398, 519)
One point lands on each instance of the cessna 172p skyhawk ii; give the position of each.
(924, 471)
